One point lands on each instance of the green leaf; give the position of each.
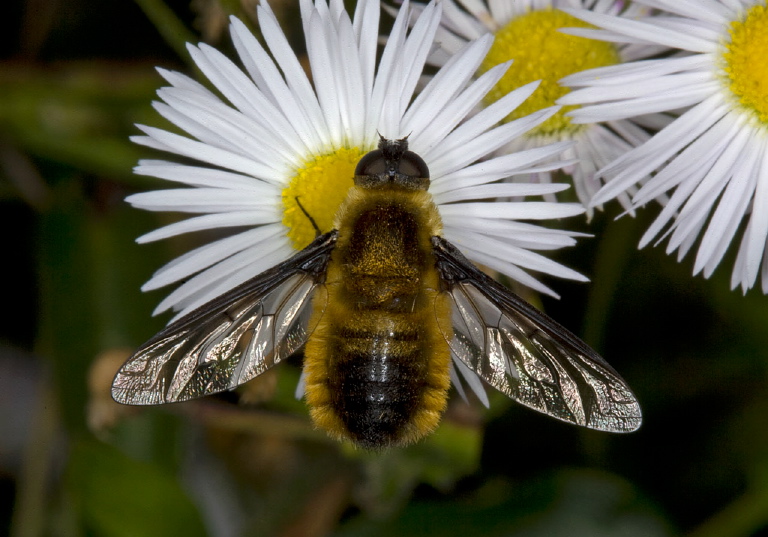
(90, 271)
(570, 502)
(120, 497)
(80, 117)
(440, 460)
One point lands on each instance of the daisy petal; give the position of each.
(275, 126)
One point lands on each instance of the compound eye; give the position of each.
(413, 165)
(372, 163)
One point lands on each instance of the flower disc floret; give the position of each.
(746, 61)
(541, 52)
(545, 43)
(320, 185)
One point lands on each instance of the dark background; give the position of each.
(75, 75)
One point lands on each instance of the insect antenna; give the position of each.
(311, 220)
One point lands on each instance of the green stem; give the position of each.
(29, 518)
(616, 244)
(742, 517)
(169, 26)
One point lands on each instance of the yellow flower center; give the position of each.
(320, 186)
(541, 52)
(746, 59)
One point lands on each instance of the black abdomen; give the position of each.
(377, 381)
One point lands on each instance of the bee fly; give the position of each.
(391, 303)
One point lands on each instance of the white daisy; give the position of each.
(528, 32)
(281, 137)
(714, 156)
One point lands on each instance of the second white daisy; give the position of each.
(714, 157)
(528, 32)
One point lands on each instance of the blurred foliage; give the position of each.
(75, 76)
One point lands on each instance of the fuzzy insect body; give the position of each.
(391, 314)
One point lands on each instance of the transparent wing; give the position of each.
(232, 338)
(528, 356)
